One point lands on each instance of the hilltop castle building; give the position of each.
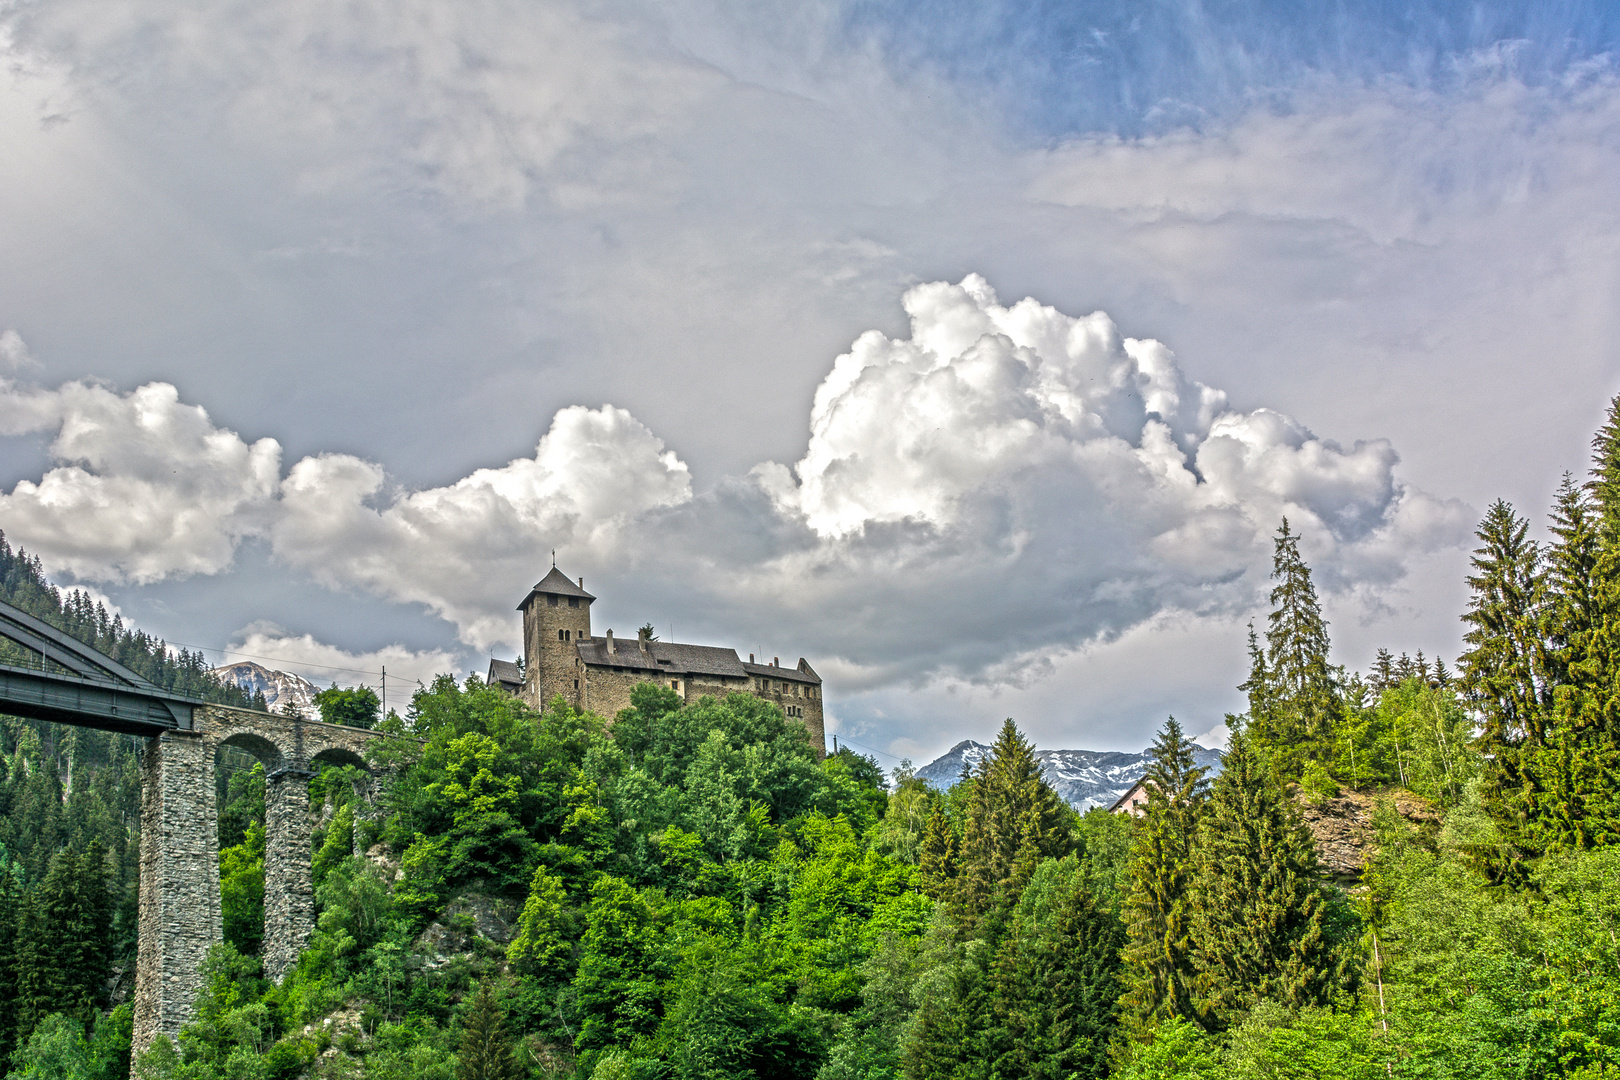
(562, 657)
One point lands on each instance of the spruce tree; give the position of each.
(1056, 980)
(936, 857)
(1015, 820)
(1294, 694)
(1504, 670)
(1258, 925)
(1158, 970)
(486, 1052)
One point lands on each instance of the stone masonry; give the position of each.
(179, 899)
(563, 658)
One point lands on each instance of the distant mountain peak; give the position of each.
(281, 689)
(1084, 778)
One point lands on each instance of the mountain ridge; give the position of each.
(1082, 778)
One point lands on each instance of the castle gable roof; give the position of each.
(801, 674)
(504, 673)
(555, 583)
(666, 656)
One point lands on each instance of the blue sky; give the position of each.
(322, 326)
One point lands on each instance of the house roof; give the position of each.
(1120, 802)
(555, 583)
(504, 672)
(662, 656)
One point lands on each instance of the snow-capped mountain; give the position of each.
(280, 688)
(1085, 778)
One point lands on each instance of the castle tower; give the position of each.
(556, 617)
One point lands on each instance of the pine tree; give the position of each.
(486, 1052)
(953, 1036)
(1158, 970)
(1015, 819)
(1258, 926)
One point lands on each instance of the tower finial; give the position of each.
(554, 558)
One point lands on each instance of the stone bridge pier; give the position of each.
(179, 891)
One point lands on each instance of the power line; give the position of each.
(873, 749)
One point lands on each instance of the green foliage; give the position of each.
(241, 888)
(354, 706)
(1057, 979)
(486, 1051)
(1295, 696)
(1158, 966)
(1260, 926)
(1014, 821)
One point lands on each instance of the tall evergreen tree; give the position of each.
(1015, 820)
(1057, 979)
(1158, 969)
(1258, 928)
(1504, 670)
(1295, 700)
(936, 857)
(486, 1051)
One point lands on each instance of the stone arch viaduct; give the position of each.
(179, 893)
(47, 675)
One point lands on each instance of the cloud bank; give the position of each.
(1003, 486)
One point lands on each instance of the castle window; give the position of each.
(552, 600)
(576, 684)
(573, 601)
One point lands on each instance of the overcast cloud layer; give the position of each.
(282, 286)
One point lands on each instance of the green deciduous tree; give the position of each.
(353, 706)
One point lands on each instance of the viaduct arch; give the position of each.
(180, 915)
(46, 674)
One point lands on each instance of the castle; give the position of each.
(562, 657)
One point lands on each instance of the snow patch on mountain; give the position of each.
(1084, 778)
(281, 689)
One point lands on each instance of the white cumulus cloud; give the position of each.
(147, 487)
(467, 550)
(977, 500)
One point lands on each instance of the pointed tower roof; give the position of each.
(555, 583)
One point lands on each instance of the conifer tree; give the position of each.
(1258, 926)
(1015, 819)
(1294, 694)
(1158, 970)
(936, 858)
(1504, 670)
(486, 1052)
(11, 897)
(1057, 979)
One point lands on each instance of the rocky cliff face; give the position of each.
(280, 688)
(1085, 778)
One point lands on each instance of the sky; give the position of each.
(972, 351)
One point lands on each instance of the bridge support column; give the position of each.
(289, 896)
(179, 899)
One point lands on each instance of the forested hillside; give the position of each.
(689, 892)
